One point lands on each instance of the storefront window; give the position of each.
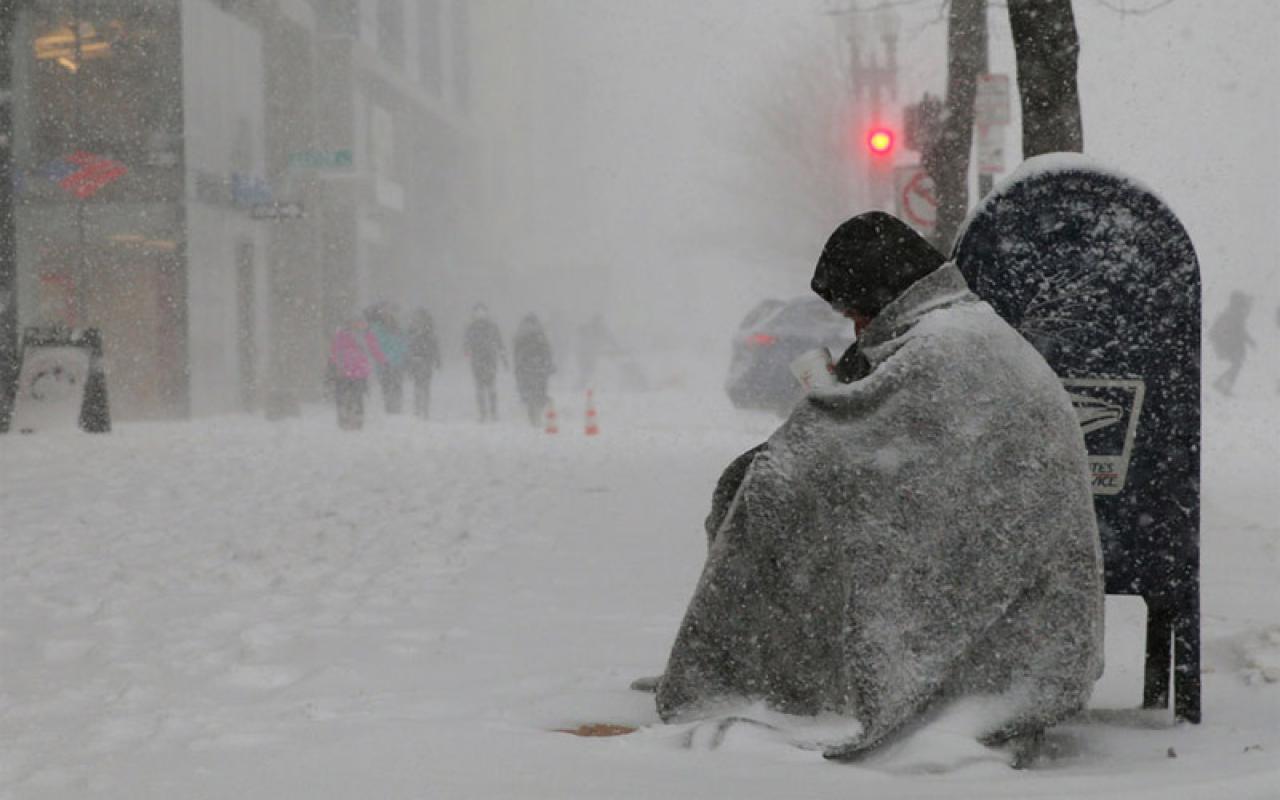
(105, 81)
(98, 147)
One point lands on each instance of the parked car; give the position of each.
(769, 338)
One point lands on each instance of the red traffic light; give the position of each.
(880, 141)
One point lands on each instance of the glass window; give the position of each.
(103, 113)
(806, 313)
(98, 140)
(757, 315)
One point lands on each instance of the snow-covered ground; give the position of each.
(238, 608)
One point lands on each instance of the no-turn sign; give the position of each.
(916, 198)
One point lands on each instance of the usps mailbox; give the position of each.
(1100, 276)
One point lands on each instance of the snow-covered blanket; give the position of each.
(924, 533)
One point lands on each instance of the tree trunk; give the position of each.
(1046, 44)
(947, 161)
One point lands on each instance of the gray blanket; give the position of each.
(924, 533)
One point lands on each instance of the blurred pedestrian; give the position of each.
(385, 325)
(531, 352)
(424, 359)
(352, 355)
(482, 345)
(1231, 340)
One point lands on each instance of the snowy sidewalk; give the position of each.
(233, 608)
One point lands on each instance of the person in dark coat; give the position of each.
(1230, 340)
(424, 359)
(531, 351)
(384, 323)
(482, 345)
(353, 355)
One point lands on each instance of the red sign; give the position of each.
(86, 173)
(916, 198)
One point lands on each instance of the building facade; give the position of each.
(217, 184)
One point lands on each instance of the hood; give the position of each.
(870, 260)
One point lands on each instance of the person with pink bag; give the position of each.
(351, 358)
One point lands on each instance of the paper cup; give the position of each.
(814, 369)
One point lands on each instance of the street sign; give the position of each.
(277, 211)
(50, 388)
(916, 198)
(84, 174)
(991, 105)
(321, 159)
(249, 190)
(990, 149)
(61, 383)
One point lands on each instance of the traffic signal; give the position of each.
(880, 141)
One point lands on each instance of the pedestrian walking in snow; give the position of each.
(1231, 340)
(424, 360)
(920, 531)
(482, 345)
(352, 356)
(531, 352)
(385, 325)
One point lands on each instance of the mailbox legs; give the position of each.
(1155, 685)
(1173, 651)
(1186, 660)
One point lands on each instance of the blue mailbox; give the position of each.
(1100, 276)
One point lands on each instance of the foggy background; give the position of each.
(665, 165)
(628, 168)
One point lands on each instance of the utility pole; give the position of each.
(9, 354)
(948, 161)
(873, 81)
(77, 138)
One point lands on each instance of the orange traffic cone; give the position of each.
(593, 422)
(553, 422)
